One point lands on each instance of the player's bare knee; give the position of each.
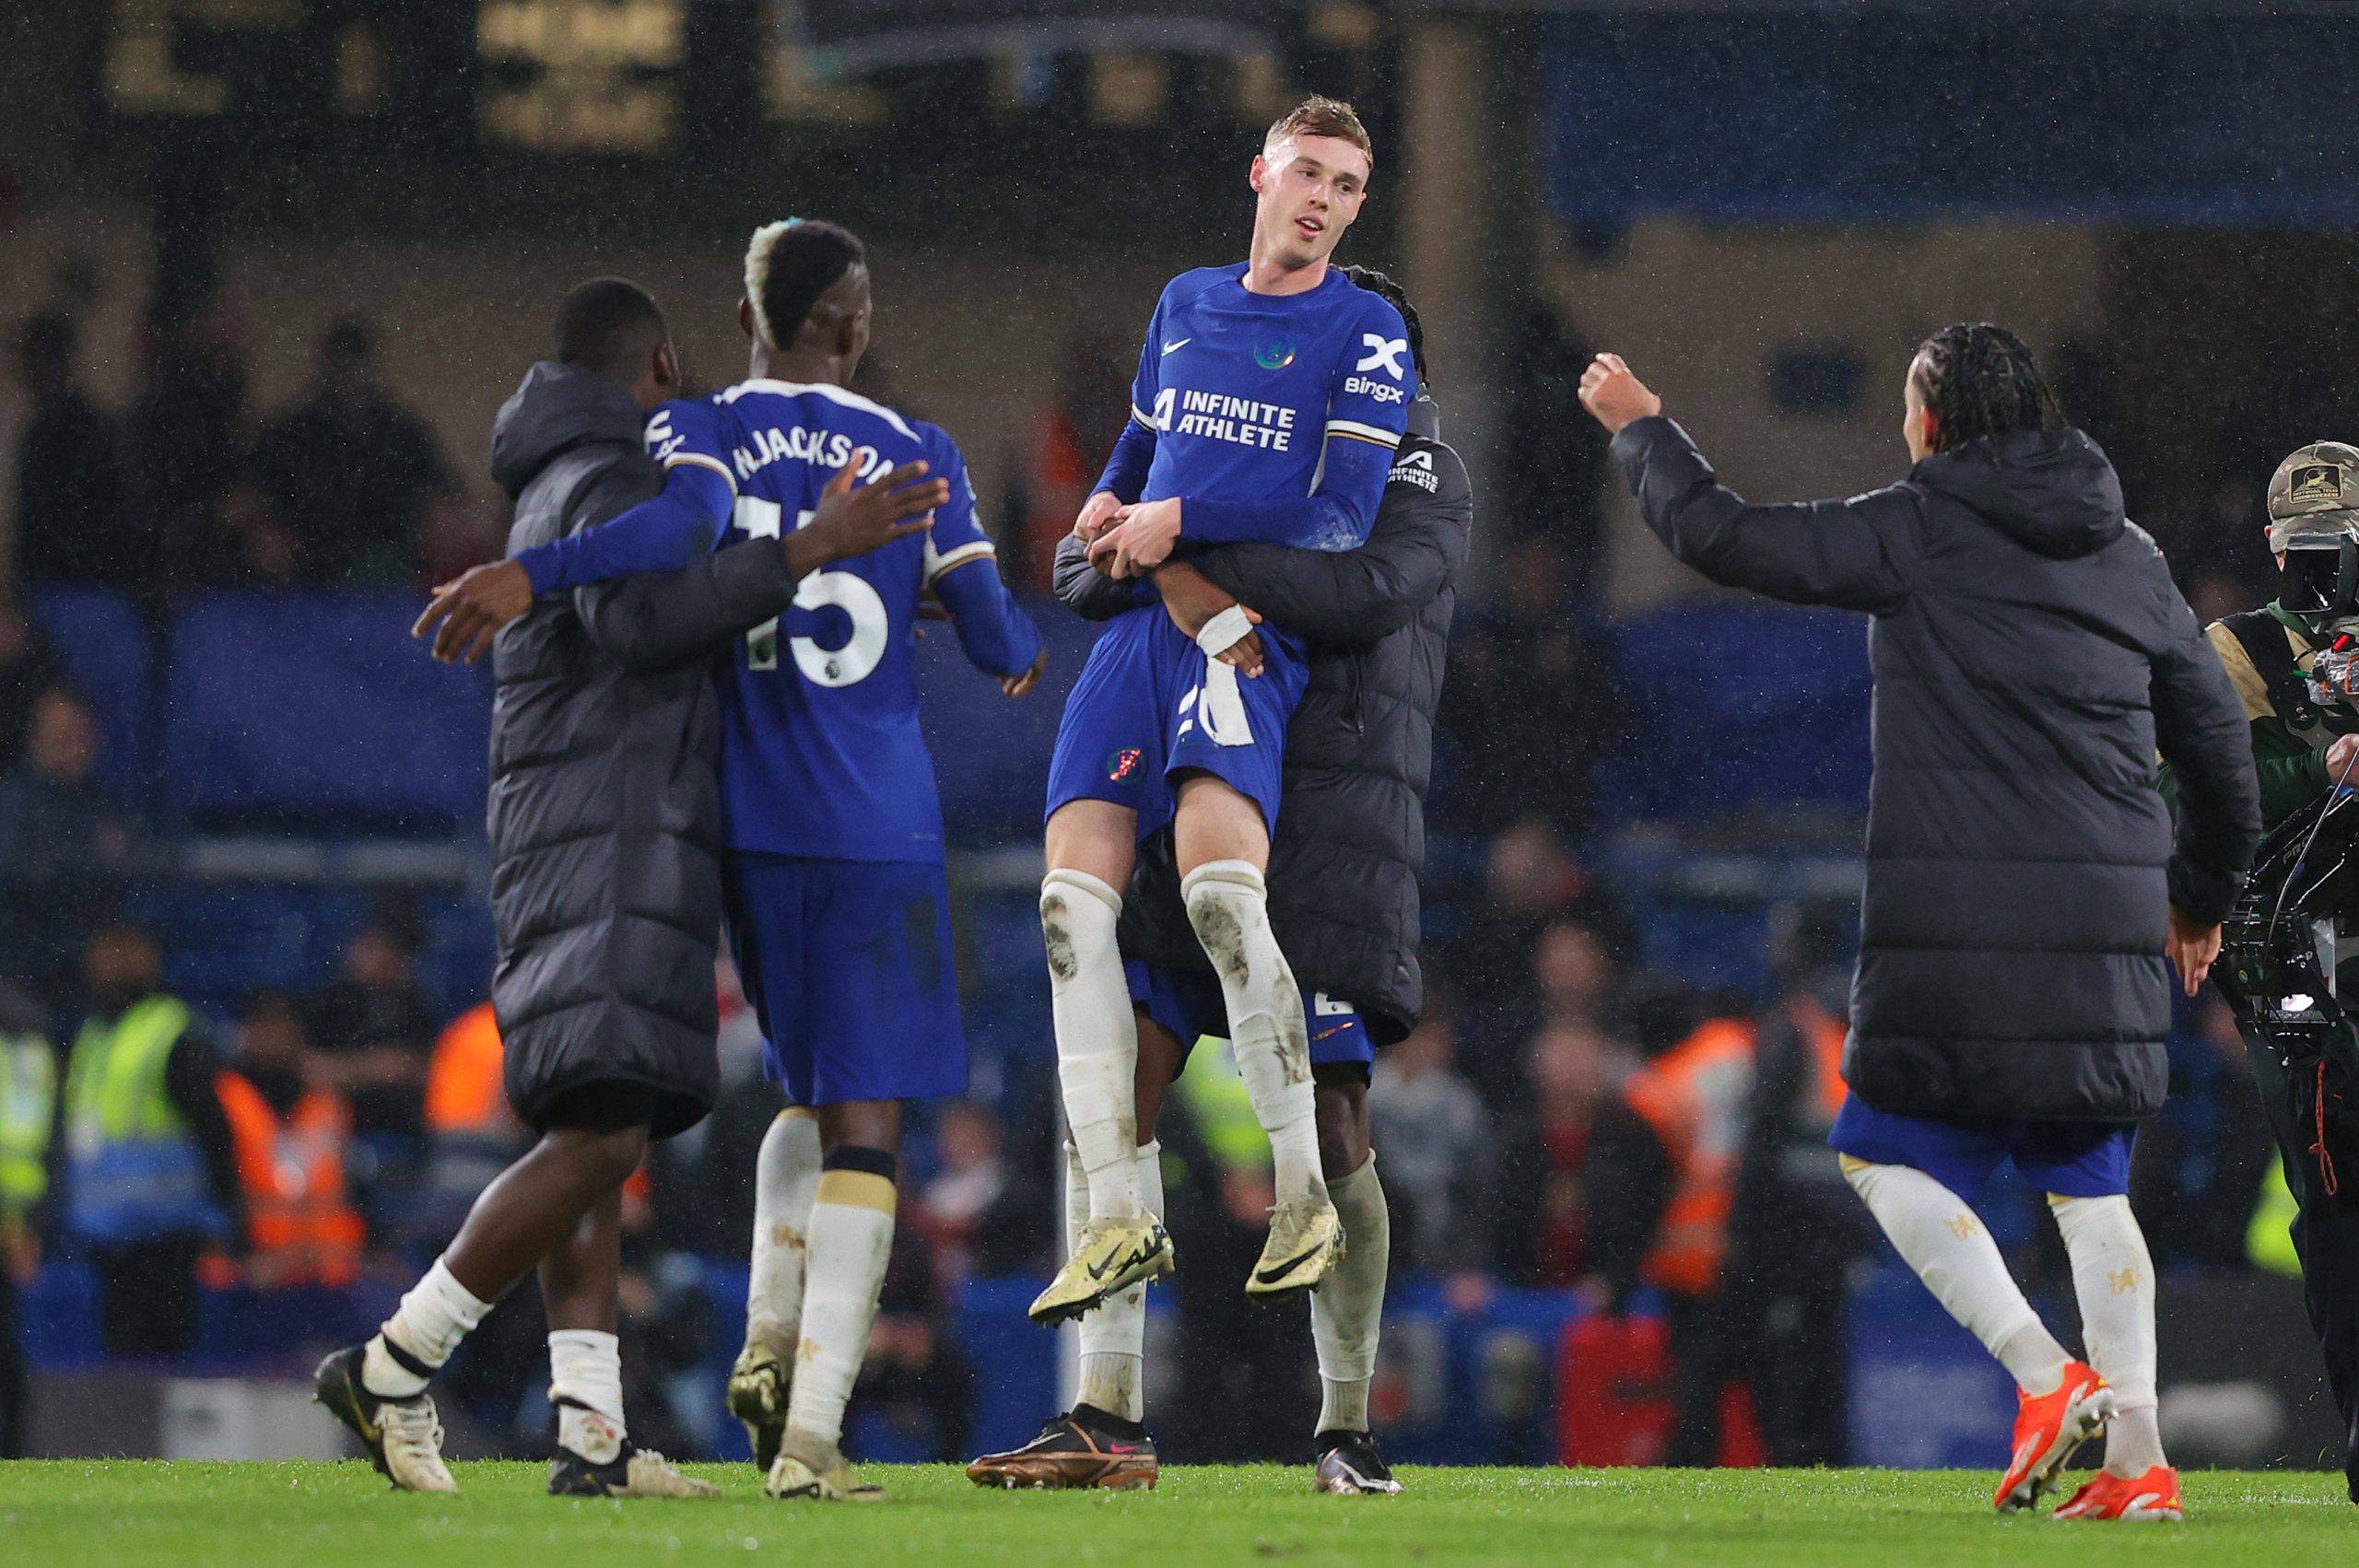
(1096, 838)
(1341, 1111)
(604, 1155)
(1216, 820)
(861, 1124)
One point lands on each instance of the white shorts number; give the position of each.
(872, 624)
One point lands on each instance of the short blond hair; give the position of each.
(1322, 116)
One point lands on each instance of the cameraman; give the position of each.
(2302, 748)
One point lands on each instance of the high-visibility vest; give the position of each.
(465, 1091)
(302, 1227)
(27, 1104)
(1826, 1033)
(2268, 1239)
(133, 1171)
(1694, 1096)
(1215, 1095)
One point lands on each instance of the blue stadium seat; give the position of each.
(1741, 707)
(61, 1315)
(104, 644)
(222, 941)
(320, 710)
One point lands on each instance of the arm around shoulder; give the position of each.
(1419, 542)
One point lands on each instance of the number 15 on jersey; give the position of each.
(870, 622)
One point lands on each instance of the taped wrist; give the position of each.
(1225, 631)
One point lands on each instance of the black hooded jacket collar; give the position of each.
(2051, 491)
(559, 407)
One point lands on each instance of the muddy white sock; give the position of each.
(586, 1386)
(1113, 1337)
(2113, 1277)
(1347, 1311)
(851, 1239)
(426, 1329)
(1228, 905)
(1097, 1037)
(786, 1180)
(1944, 1240)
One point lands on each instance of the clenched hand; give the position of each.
(1614, 395)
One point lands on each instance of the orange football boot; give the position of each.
(2154, 1495)
(2048, 1427)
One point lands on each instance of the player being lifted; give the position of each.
(1271, 395)
(833, 878)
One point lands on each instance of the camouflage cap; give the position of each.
(2317, 488)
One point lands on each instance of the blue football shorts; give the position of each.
(849, 966)
(1191, 1006)
(2071, 1159)
(1150, 704)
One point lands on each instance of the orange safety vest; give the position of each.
(466, 1093)
(464, 1088)
(1694, 1096)
(302, 1227)
(1827, 1034)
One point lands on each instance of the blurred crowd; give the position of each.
(191, 487)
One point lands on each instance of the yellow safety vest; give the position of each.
(134, 1173)
(2268, 1239)
(28, 1102)
(1222, 1108)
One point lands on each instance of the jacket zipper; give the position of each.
(1352, 701)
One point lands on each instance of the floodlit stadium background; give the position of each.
(1764, 207)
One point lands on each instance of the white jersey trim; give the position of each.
(973, 550)
(701, 461)
(1359, 432)
(833, 394)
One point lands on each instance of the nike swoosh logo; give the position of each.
(371, 1432)
(1271, 1276)
(1325, 1033)
(1099, 1271)
(1175, 347)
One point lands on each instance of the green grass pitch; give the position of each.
(146, 1515)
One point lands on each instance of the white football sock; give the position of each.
(786, 1178)
(1944, 1240)
(1113, 1337)
(851, 1239)
(1347, 1311)
(1097, 1037)
(1229, 906)
(586, 1385)
(2114, 1279)
(432, 1318)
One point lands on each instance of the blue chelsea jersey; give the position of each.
(1244, 391)
(820, 750)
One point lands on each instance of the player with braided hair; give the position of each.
(1977, 379)
(2027, 891)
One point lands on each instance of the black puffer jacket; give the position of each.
(2030, 655)
(606, 811)
(1343, 898)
